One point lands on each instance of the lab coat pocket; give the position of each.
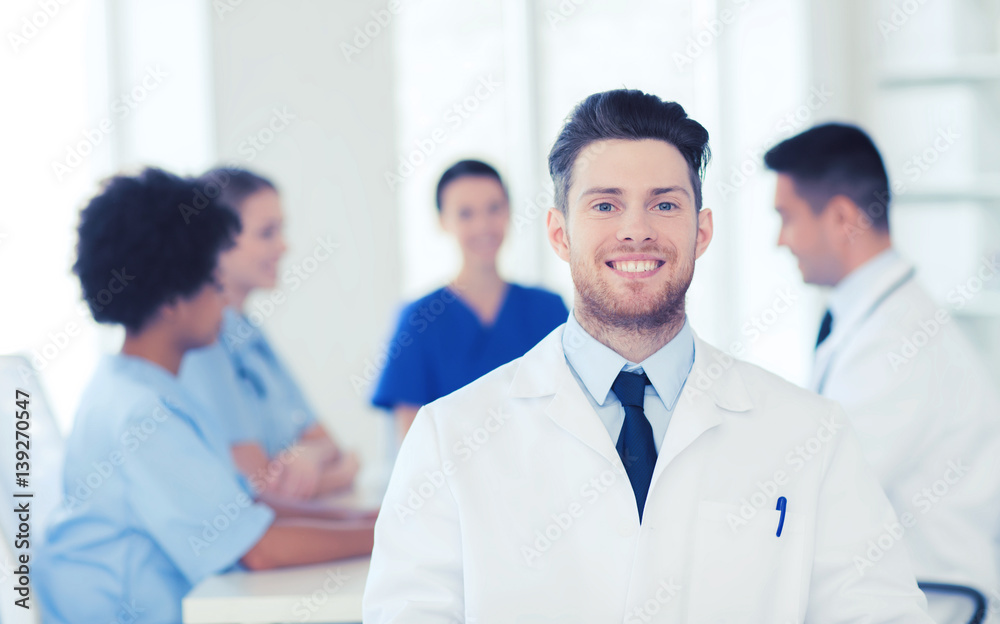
(742, 571)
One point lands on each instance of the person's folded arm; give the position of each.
(317, 510)
(317, 436)
(301, 541)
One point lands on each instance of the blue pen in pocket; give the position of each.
(782, 504)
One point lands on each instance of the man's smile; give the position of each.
(635, 266)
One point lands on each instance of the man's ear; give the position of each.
(555, 224)
(848, 220)
(706, 227)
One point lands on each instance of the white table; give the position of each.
(328, 592)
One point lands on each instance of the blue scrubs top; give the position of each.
(247, 387)
(440, 345)
(152, 502)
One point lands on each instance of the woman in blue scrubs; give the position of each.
(477, 322)
(271, 429)
(151, 502)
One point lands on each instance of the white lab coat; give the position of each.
(508, 503)
(928, 419)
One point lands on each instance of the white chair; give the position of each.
(45, 459)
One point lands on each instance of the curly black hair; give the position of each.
(145, 241)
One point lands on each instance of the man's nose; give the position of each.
(636, 226)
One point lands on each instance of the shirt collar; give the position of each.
(597, 365)
(238, 333)
(849, 297)
(152, 375)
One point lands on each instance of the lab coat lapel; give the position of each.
(821, 362)
(712, 388)
(571, 410)
(543, 371)
(846, 328)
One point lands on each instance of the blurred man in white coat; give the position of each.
(920, 399)
(623, 470)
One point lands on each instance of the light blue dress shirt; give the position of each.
(152, 502)
(245, 384)
(595, 367)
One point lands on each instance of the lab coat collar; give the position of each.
(855, 293)
(713, 387)
(879, 275)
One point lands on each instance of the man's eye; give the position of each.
(666, 206)
(604, 207)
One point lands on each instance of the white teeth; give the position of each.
(635, 266)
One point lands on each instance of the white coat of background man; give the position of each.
(623, 470)
(919, 398)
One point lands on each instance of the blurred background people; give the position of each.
(918, 395)
(147, 470)
(477, 322)
(358, 143)
(271, 428)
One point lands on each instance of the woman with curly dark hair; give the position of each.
(152, 502)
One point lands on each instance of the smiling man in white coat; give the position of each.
(919, 397)
(623, 470)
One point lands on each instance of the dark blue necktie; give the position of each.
(825, 328)
(635, 442)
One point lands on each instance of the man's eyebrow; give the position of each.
(602, 190)
(670, 189)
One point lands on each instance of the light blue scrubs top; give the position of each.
(152, 502)
(247, 387)
(595, 367)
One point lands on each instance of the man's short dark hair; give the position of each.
(464, 169)
(835, 159)
(632, 115)
(136, 250)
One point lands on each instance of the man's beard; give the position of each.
(598, 301)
